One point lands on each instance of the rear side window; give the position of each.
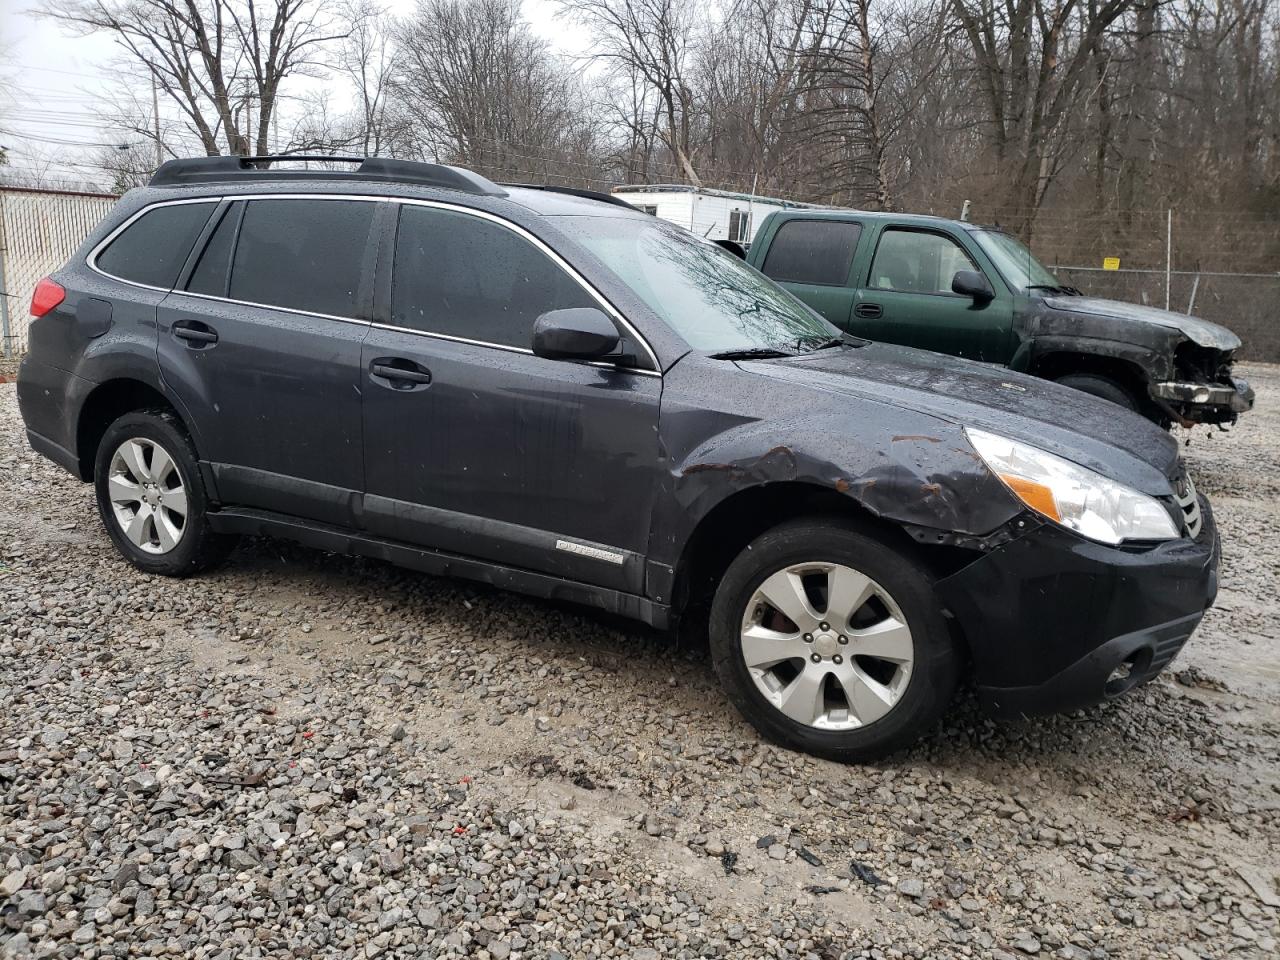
(153, 248)
(302, 254)
(462, 276)
(813, 251)
(214, 267)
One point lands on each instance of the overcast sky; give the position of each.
(57, 80)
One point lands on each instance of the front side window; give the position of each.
(153, 248)
(302, 254)
(463, 276)
(915, 261)
(813, 251)
(711, 298)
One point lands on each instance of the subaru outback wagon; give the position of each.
(553, 393)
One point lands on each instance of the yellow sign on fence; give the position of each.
(1110, 263)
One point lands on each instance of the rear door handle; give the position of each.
(400, 371)
(197, 334)
(868, 311)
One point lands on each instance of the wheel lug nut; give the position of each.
(837, 659)
(808, 638)
(815, 658)
(844, 639)
(823, 626)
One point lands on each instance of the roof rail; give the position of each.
(573, 192)
(247, 169)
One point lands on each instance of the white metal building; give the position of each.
(714, 214)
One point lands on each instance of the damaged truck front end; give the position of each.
(1179, 367)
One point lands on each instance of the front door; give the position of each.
(262, 346)
(907, 298)
(475, 446)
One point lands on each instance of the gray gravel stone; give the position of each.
(224, 767)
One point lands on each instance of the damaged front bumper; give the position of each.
(1055, 622)
(1191, 402)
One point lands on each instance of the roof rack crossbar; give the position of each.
(247, 169)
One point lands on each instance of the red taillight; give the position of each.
(45, 297)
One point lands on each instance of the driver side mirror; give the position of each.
(971, 283)
(576, 333)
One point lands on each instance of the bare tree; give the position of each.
(367, 58)
(478, 87)
(654, 39)
(222, 62)
(1032, 60)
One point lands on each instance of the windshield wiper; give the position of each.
(751, 353)
(1054, 288)
(844, 340)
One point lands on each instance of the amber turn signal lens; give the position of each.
(1035, 495)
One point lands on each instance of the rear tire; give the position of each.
(839, 676)
(152, 499)
(1103, 387)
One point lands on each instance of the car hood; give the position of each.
(1198, 331)
(1076, 426)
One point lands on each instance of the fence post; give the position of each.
(4, 288)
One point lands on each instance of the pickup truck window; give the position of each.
(812, 251)
(916, 261)
(708, 296)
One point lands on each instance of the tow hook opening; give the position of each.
(1125, 675)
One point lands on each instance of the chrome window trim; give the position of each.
(271, 306)
(609, 308)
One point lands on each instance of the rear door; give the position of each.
(813, 259)
(475, 446)
(906, 297)
(262, 346)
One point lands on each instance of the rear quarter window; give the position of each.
(813, 251)
(152, 249)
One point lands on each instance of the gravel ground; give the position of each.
(307, 755)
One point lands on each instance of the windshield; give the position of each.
(710, 297)
(1014, 261)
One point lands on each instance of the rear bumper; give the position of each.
(1055, 622)
(47, 397)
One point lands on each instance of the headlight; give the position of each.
(1067, 493)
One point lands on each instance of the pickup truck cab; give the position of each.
(977, 292)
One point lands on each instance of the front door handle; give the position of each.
(868, 311)
(400, 372)
(196, 334)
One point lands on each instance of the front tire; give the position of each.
(830, 641)
(151, 496)
(1103, 387)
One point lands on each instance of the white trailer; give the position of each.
(714, 214)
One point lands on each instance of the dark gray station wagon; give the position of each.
(550, 392)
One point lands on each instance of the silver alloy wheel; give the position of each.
(827, 646)
(148, 496)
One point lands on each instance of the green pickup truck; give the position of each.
(977, 292)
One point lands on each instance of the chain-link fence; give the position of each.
(39, 230)
(1246, 303)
